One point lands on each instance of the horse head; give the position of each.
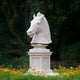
(39, 29)
(35, 24)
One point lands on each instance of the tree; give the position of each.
(16, 15)
(13, 17)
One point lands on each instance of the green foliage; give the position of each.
(4, 37)
(20, 62)
(8, 76)
(32, 77)
(17, 62)
(15, 16)
(4, 59)
(36, 6)
(75, 6)
(4, 76)
(70, 54)
(12, 26)
(54, 65)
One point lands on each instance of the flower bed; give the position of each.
(64, 74)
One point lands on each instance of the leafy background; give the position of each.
(64, 20)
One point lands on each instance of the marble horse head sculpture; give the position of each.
(39, 30)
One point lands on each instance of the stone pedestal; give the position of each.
(40, 59)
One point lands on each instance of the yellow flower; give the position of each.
(30, 66)
(46, 76)
(76, 68)
(2, 69)
(45, 69)
(42, 71)
(34, 69)
(71, 67)
(67, 69)
(35, 74)
(55, 69)
(64, 73)
(12, 73)
(5, 69)
(62, 70)
(16, 72)
(72, 73)
(14, 69)
(38, 71)
(21, 69)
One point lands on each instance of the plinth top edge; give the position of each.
(39, 45)
(40, 52)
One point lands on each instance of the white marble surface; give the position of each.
(39, 48)
(39, 30)
(40, 59)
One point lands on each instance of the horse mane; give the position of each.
(40, 15)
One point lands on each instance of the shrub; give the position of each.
(21, 62)
(18, 62)
(70, 54)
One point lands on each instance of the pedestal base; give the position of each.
(40, 60)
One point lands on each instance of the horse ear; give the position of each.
(38, 14)
(33, 15)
